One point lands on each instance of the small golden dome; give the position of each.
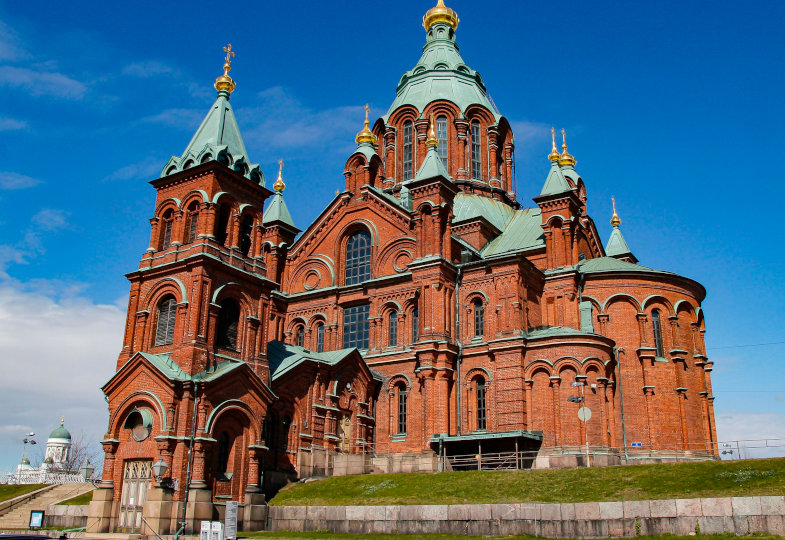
(440, 14)
(225, 83)
(365, 135)
(615, 220)
(279, 186)
(554, 155)
(566, 158)
(432, 139)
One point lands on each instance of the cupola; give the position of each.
(440, 14)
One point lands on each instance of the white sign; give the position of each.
(230, 522)
(204, 533)
(584, 414)
(217, 530)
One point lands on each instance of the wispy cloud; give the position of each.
(11, 180)
(147, 69)
(11, 44)
(9, 124)
(50, 220)
(42, 83)
(149, 167)
(182, 118)
(31, 243)
(281, 121)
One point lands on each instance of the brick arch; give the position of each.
(141, 396)
(318, 317)
(299, 320)
(398, 378)
(392, 250)
(402, 114)
(232, 289)
(478, 112)
(165, 285)
(324, 269)
(474, 372)
(654, 299)
(567, 362)
(171, 203)
(196, 195)
(621, 297)
(594, 302)
(233, 405)
(541, 364)
(685, 305)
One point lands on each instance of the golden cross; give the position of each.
(614, 205)
(62, 420)
(553, 137)
(229, 53)
(563, 137)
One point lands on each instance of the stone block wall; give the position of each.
(738, 515)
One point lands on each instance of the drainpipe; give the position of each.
(616, 351)
(460, 348)
(190, 463)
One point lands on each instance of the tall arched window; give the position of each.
(655, 323)
(480, 391)
(246, 229)
(228, 321)
(299, 336)
(166, 233)
(407, 150)
(358, 258)
(441, 134)
(479, 318)
(400, 397)
(191, 221)
(221, 224)
(222, 467)
(393, 329)
(415, 324)
(286, 422)
(164, 327)
(320, 337)
(476, 151)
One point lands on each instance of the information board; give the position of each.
(230, 522)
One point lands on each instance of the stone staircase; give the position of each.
(18, 517)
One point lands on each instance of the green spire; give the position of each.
(555, 182)
(441, 73)
(432, 166)
(218, 137)
(277, 212)
(617, 247)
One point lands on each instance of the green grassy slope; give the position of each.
(677, 480)
(11, 491)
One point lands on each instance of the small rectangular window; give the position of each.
(320, 338)
(355, 327)
(167, 234)
(393, 330)
(401, 410)
(476, 152)
(441, 134)
(407, 151)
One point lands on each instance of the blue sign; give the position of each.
(36, 519)
(636, 445)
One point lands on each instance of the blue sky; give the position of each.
(673, 107)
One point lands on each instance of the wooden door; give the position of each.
(344, 433)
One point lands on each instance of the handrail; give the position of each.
(151, 528)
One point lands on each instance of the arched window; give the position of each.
(400, 396)
(655, 323)
(166, 234)
(479, 318)
(246, 229)
(191, 221)
(407, 150)
(480, 391)
(393, 329)
(320, 337)
(228, 320)
(222, 467)
(164, 326)
(221, 224)
(299, 336)
(476, 151)
(286, 422)
(358, 258)
(415, 324)
(441, 134)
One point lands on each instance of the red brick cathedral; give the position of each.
(425, 320)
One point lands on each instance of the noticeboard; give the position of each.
(36, 519)
(230, 522)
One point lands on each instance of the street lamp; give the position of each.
(86, 469)
(159, 469)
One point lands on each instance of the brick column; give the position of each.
(555, 383)
(462, 127)
(527, 400)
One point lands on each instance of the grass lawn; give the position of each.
(82, 499)
(631, 482)
(333, 536)
(11, 491)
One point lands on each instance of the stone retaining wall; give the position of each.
(739, 515)
(69, 516)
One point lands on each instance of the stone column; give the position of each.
(527, 400)
(462, 127)
(421, 127)
(154, 226)
(102, 509)
(389, 163)
(555, 383)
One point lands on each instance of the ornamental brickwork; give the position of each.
(424, 312)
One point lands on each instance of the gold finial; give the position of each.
(440, 14)
(225, 83)
(554, 155)
(432, 139)
(62, 420)
(365, 135)
(615, 220)
(279, 186)
(565, 158)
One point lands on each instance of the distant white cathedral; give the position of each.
(55, 467)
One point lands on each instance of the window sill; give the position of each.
(399, 437)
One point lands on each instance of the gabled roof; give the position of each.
(432, 167)
(283, 357)
(218, 138)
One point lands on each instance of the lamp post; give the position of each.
(87, 470)
(159, 469)
(584, 414)
(27, 440)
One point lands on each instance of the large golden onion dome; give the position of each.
(225, 83)
(440, 14)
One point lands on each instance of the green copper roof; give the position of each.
(520, 229)
(555, 182)
(617, 246)
(218, 138)
(277, 212)
(432, 166)
(441, 73)
(555, 331)
(611, 264)
(283, 357)
(60, 433)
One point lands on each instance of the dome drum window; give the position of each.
(140, 424)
